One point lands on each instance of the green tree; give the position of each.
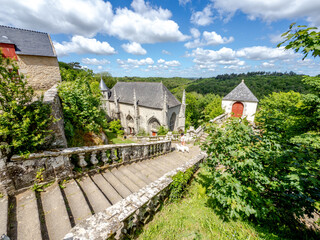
(302, 38)
(24, 123)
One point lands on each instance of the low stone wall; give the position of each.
(123, 218)
(59, 164)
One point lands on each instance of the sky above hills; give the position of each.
(166, 38)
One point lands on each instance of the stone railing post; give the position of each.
(104, 157)
(82, 163)
(125, 154)
(113, 156)
(93, 158)
(145, 151)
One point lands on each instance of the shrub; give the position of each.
(81, 107)
(115, 127)
(23, 124)
(162, 130)
(179, 184)
(260, 176)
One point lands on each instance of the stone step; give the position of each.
(149, 171)
(77, 202)
(143, 177)
(144, 171)
(134, 178)
(96, 198)
(55, 213)
(117, 184)
(125, 180)
(3, 214)
(107, 188)
(27, 212)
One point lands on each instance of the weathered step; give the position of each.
(149, 171)
(96, 198)
(143, 170)
(117, 184)
(3, 214)
(125, 171)
(55, 213)
(107, 188)
(125, 180)
(77, 202)
(27, 212)
(139, 174)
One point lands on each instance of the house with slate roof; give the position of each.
(144, 106)
(240, 102)
(35, 55)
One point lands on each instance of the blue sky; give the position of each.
(184, 38)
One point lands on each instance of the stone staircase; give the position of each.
(203, 137)
(51, 214)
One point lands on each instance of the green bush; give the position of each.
(260, 176)
(115, 127)
(23, 123)
(81, 107)
(162, 130)
(179, 184)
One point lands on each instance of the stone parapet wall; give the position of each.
(42, 72)
(123, 218)
(59, 164)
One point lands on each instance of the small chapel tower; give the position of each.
(136, 111)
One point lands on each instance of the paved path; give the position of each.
(52, 213)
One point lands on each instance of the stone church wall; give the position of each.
(42, 72)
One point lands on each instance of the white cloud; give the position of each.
(233, 59)
(267, 64)
(272, 10)
(77, 17)
(94, 61)
(100, 67)
(161, 61)
(266, 53)
(166, 52)
(144, 24)
(134, 63)
(276, 38)
(82, 45)
(195, 32)
(184, 2)
(204, 17)
(134, 48)
(173, 63)
(208, 39)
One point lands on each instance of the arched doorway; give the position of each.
(237, 109)
(172, 121)
(153, 126)
(130, 125)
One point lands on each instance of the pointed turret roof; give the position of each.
(241, 93)
(103, 86)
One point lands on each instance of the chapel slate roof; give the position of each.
(148, 94)
(241, 93)
(27, 42)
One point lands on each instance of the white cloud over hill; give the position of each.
(134, 48)
(82, 45)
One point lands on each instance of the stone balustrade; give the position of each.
(61, 163)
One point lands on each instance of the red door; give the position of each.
(237, 109)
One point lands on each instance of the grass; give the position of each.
(191, 218)
(115, 139)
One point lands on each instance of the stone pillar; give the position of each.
(182, 113)
(136, 112)
(6, 184)
(165, 110)
(116, 103)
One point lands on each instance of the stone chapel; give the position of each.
(241, 102)
(143, 106)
